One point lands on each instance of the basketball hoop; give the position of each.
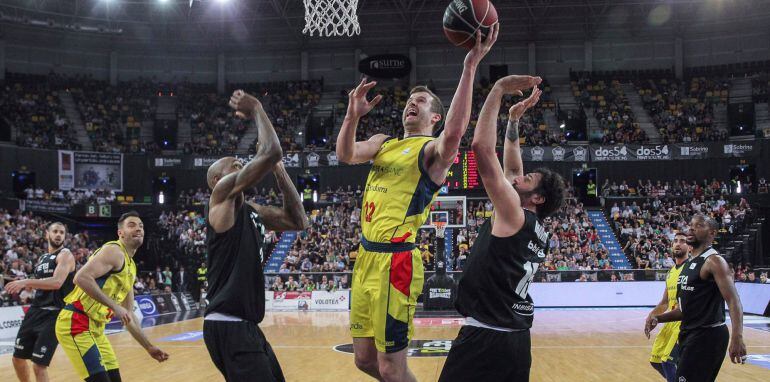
(331, 18)
(440, 228)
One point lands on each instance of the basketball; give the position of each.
(463, 18)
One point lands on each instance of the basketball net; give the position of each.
(331, 18)
(440, 228)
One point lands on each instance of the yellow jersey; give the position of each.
(398, 192)
(115, 284)
(672, 280)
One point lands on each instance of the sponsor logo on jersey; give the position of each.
(523, 308)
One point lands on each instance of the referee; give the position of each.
(705, 283)
(236, 227)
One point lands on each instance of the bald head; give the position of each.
(220, 168)
(703, 230)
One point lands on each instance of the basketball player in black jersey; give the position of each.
(705, 283)
(235, 230)
(494, 344)
(36, 339)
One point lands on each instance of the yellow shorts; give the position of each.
(664, 347)
(384, 295)
(85, 344)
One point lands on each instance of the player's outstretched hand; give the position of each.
(737, 350)
(14, 287)
(514, 84)
(157, 354)
(122, 314)
(474, 57)
(358, 106)
(650, 324)
(244, 104)
(517, 110)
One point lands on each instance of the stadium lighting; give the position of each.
(161, 198)
(562, 125)
(163, 1)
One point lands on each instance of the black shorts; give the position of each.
(701, 353)
(480, 354)
(240, 351)
(36, 339)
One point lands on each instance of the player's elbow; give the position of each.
(79, 279)
(57, 284)
(479, 147)
(344, 156)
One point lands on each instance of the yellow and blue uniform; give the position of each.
(388, 273)
(665, 341)
(80, 325)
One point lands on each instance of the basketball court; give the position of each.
(567, 345)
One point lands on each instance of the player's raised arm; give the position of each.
(459, 115)
(512, 163)
(509, 215)
(717, 266)
(291, 217)
(268, 146)
(348, 150)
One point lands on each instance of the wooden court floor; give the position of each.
(567, 345)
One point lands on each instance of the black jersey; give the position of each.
(235, 275)
(499, 270)
(700, 301)
(53, 298)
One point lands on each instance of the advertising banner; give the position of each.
(739, 150)
(337, 300)
(66, 170)
(166, 162)
(45, 206)
(631, 153)
(692, 151)
(10, 321)
(385, 66)
(555, 153)
(90, 170)
(165, 303)
(292, 300)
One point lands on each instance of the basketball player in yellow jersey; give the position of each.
(664, 351)
(104, 289)
(406, 175)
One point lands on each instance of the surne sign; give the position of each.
(385, 66)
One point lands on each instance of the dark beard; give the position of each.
(54, 246)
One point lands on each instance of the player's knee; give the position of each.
(39, 369)
(366, 363)
(391, 371)
(19, 361)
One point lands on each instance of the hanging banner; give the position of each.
(385, 66)
(691, 151)
(66, 170)
(630, 153)
(90, 170)
(739, 150)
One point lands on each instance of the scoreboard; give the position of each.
(464, 172)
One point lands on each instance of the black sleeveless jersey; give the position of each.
(497, 275)
(235, 275)
(700, 301)
(53, 298)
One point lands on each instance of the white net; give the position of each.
(331, 18)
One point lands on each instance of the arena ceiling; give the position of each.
(227, 19)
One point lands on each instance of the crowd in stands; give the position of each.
(693, 188)
(683, 111)
(611, 108)
(533, 130)
(646, 228)
(214, 128)
(22, 241)
(72, 196)
(31, 104)
(113, 115)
